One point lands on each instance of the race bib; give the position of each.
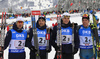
(86, 42)
(66, 39)
(42, 41)
(17, 44)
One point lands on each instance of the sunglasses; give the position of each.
(20, 22)
(66, 16)
(85, 15)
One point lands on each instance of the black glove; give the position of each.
(56, 48)
(48, 50)
(33, 49)
(75, 50)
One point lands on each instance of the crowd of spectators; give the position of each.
(11, 15)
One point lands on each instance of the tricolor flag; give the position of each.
(55, 6)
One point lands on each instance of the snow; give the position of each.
(76, 19)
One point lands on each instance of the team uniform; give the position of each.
(67, 48)
(16, 39)
(86, 44)
(41, 34)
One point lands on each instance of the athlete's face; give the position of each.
(65, 20)
(97, 21)
(85, 22)
(41, 22)
(19, 24)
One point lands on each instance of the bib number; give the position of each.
(19, 44)
(66, 38)
(42, 41)
(85, 40)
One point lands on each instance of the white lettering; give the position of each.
(86, 32)
(41, 32)
(64, 30)
(19, 35)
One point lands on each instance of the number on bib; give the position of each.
(66, 39)
(42, 41)
(19, 44)
(85, 40)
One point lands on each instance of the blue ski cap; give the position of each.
(97, 18)
(19, 18)
(65, 15)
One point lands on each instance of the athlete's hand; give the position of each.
(57, 48)
(33, 49)
(75, 50)
(48, 50)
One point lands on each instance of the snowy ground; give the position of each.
(76, 19)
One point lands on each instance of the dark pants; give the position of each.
(16, 56)
(65, 56)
